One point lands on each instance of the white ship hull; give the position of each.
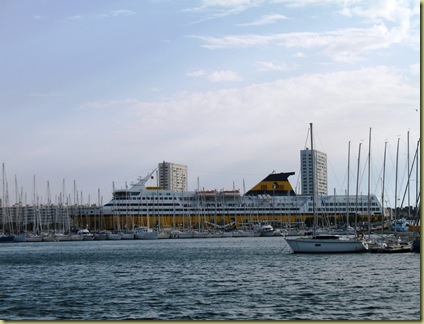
(325, 245)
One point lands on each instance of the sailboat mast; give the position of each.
(347, 194)
(382, 192)
(396, 179)
(357, 189)
(417, 195)
(369, 184)
(408, 186)
(313, 181)
(3, 201)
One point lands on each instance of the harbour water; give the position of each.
(197, 279)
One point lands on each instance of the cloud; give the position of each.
(76, 17)
(216, 9)
(122, 12)
(216, 76)
(274, 66)
(103, 105)
(398, 11)
(265, 20)
(224, 76)
(196, 74)
(112, 13)
(346, 45)
(244, 132)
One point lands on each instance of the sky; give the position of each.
(96, 93)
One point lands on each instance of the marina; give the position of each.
(310, 222)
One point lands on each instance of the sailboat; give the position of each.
(323, 243)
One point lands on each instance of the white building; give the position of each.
(173, 176)
(320, 172)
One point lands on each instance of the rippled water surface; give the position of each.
(196, 279)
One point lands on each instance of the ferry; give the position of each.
(271, 201)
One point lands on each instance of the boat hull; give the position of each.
(6, 239)
(181, 234)
(243, 233)
(146, 235)
(391, 248)
(62, 237)
(314, 245)
(34, 238)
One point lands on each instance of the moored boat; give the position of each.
(101, 235)
(243, 233)
(145, 233)
(60, 237)
(264, 230)
(19, 238)
(76, 237)
(86, 235)
(390, 248)
(113, 236)
(31, 237)
(6, 238)
(323, 243)
(416, 245)
(178, 234)
(326, 244)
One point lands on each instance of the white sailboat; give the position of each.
(323, 243)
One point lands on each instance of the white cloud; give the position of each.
(113, 104)
(397, 11)
(216, 76)
(122, 12)
(265, 20)
(243, 132)
(76, 17)
(345, 45)
(216, 9)
(274, 66)
(112, 13)
(196, 74)
(224, 76)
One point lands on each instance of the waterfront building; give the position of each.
(172, 176)
(320, 169)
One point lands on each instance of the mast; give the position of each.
(396, 181)
(408, 186)
(3, 202)
(382, 192)
(357, 189)
(369, 184)
(347, 194)
(313, 181)
(417, 195)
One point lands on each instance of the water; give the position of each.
(197, 279)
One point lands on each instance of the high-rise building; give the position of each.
(172, 176)
(320, 170)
